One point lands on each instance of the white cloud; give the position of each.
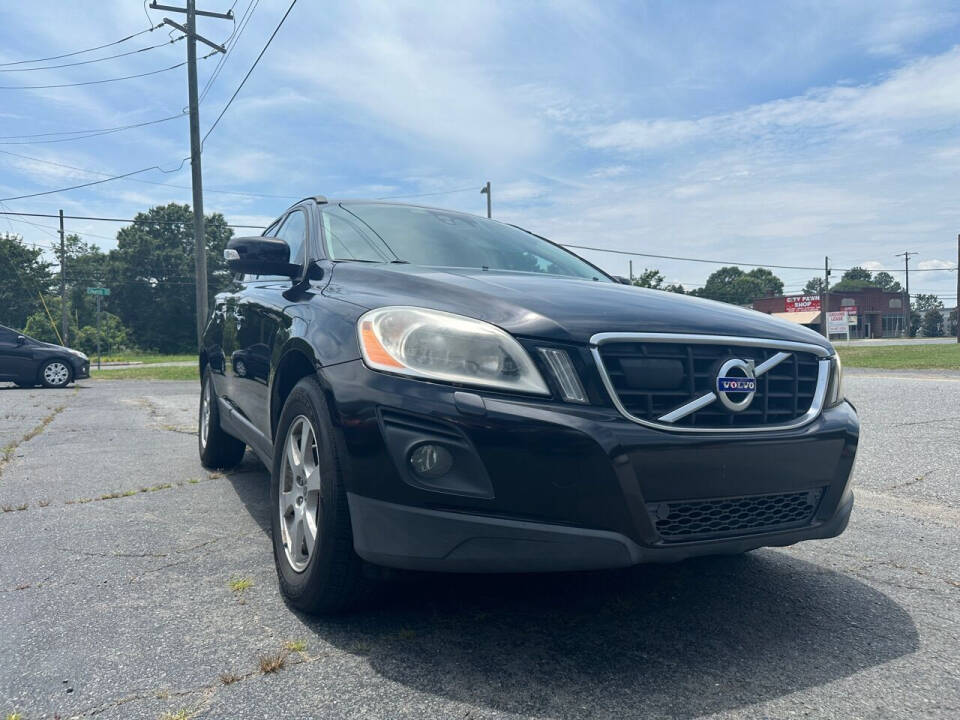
(923, 94)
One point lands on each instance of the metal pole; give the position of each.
(957, 299)
(98, 331)
(200, 245)
(486, 191)
(631, 272)
(63, 284)
(825, 300)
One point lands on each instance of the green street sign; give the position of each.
(98, 291)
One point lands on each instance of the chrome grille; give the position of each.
(701, 519)
(651, 378)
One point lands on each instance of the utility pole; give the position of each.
(825, 299)
(631, 272)
(957, 308)
(906, 305)
(63, 284)
(486, 191)
(200, 245)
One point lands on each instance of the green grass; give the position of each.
(144, 357)
(146, 373)
(903, 357)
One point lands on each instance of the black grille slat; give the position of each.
(783, 394)
(689, 520)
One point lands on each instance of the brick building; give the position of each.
(871, 312)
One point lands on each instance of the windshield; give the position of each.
(375, 232)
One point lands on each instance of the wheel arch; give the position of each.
(297, 361)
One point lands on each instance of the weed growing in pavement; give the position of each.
(296, 646)
(229, 678)
(273, 663)
(178, 715)
(238, 585)
(43, 503)
(14, 716)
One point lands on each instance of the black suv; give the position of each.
(28, 362)
(438, 391)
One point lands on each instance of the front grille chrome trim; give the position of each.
(816, 405)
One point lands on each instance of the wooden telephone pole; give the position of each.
(200, 245)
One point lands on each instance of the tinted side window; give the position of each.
(294, 231)
(7, 337)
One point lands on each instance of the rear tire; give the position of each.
(309, 498)
(218, 450)
(55, 374)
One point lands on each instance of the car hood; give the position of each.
(552, 307)
(53, 347)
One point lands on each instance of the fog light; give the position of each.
(430, 461)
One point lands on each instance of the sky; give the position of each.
(753, 133)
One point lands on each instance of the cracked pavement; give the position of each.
(115, 591)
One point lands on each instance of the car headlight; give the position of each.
(436, 345)
(835, 389)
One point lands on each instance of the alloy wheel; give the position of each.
(205, 414)
(56, 373)
(299, 497)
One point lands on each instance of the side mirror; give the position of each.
(623, 280)
(260, 256)
(21, 339)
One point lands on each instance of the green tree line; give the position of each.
(150, 275)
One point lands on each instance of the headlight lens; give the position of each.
(835, 392)
(437, 345)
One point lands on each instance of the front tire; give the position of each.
(218, 450)
(55, 374)
(317, 568)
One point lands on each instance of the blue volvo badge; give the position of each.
(736, 384)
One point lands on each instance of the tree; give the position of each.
(151, 276)
(933, 323)
(649, 278)
(814, 286)
(112, 334)
(952, 322)
(40, 327)
(915, 320)
(86, 267)
(675, 288)
(922, 303)
(23, 276)
(732, 285)
(885, 281)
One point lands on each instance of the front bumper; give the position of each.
(81, 370)
(552, 486)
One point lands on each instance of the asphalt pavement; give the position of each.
(116, 597)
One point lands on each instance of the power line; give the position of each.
(733, 262)
(235, 37)
(98, 82)
(249, 72)
(80, 52)
(96, 60)
(147, 182)
(431, 194)
(82, 134)
(77, 187)
(121, 220)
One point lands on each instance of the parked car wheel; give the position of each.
(318, 570)
(55, 374)
(217, 449)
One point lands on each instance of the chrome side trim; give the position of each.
(816, 405)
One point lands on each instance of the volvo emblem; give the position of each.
(736, 377)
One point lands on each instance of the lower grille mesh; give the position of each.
(679, 521)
